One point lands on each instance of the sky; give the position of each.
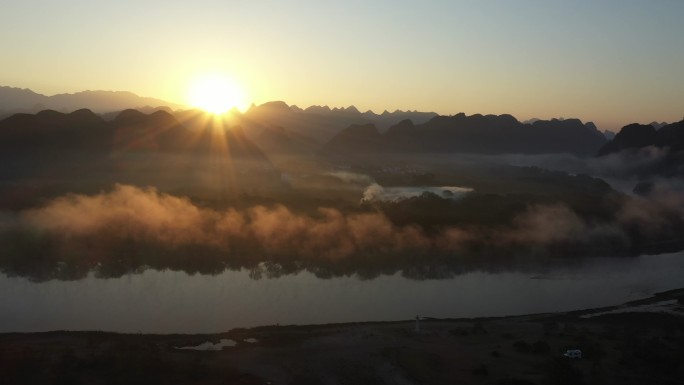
(609, 61)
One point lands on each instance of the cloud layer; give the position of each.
(131, 227)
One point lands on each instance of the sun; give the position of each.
(217, 94)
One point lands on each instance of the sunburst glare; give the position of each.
(216, 94)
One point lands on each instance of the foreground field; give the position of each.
(636, 343)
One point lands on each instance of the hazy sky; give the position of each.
(610, 61)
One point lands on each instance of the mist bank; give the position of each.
(130, 229)
(218, 202)
(623, 171)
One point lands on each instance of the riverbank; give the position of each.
(638, 342)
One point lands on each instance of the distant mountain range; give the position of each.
(277, 127)
(14, 100)
(636, 136)
(479, 134)
(54, 145)
(653, 149)
(319, 123)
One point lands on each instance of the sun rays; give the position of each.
(216, 94)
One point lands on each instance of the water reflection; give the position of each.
(173, 302)
(38, 259)
(131, 229)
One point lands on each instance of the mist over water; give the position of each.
(243, 282)
(129, 229)
(134, 258)
(622, 170)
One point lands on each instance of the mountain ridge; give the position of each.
(35, 143)
(15, 100)
(636, 136)
(320, 123)
(482, 134)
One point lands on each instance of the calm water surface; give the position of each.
(175, 302)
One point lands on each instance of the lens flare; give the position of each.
(216, 94)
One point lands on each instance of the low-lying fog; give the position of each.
(621, 170)
(412, 228)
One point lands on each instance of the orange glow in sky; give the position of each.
(592, 60)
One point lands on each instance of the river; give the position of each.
(175, 302)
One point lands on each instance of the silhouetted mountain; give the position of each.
(388, 119)
(459, 133)
(13, 100)
(320, 123)
(671, 136)
(657, 125)
(630, 137)
(360, 137)
(568, 136)
(635, 136)
(110, 116)
(403, 136)
(317, 109)
(136, 131)
(275, 105)
(20, 99)
(51, 143)
(659, 151)
(102, 101)
(278, 141)
(490, 134)
(50, 131)
(197, 134)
